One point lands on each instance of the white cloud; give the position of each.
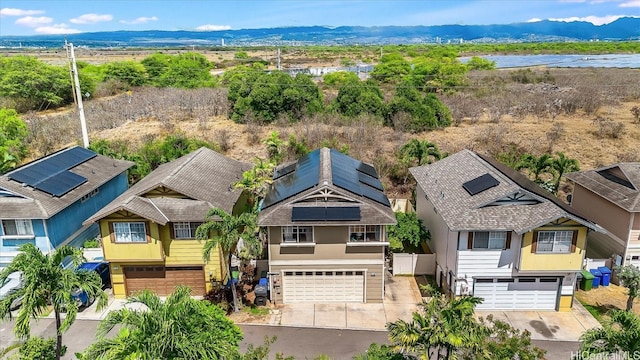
(140, 20)
(57, 29)
(209, 27)
(595, 20)
(31, 21)
(534, 20)
(632, 3)
(91, 18)
(19, 12)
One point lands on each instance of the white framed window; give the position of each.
(554, 241)
(489, 240)
(17, 227)
(365, 233)
(129, 232)
(185, 230)
(297, 234)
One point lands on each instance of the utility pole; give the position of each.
(78, 94)
(279, 68)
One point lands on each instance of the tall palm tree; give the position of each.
(275, 147)
(439, 329)
(562, 165)
(420, 152)
(47, 282)
(256, 181)
(223, 230)
(178, 328)
(620, 334)
(536, 166)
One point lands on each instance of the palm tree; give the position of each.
(223, 230)
(562, 165)
(420, 152)
(620, 334)
(275, 147)
(178, 328)
(256, 181)
(439, 329)
(535, 166)
(46, 283)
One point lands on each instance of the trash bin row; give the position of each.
(595, 277)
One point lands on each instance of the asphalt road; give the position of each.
(302, 343)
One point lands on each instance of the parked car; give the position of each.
(13, 283)
(102, 268)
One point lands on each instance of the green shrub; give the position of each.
(39, 348)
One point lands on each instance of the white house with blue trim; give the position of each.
(46, 201)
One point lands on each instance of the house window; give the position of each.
(86, 197)
(490, 240)
(363, 233)
(18, 227)
(555, 241)
(185, 230)
(297, 234)
(130, 232)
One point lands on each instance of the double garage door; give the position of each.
(163, 280)
(313, 286)
(517, 293)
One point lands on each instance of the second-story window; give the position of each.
(129, 232)
(555, 241)
(363, 233)
(297, 234)
(18, 227)
(489, 240)
(185, 230)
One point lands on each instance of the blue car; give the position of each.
(102, 268)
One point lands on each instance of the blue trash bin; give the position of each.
(606, 275)
(597, 276)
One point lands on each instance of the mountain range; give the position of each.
(627, 28)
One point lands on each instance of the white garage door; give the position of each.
(322, 286)
(517, 293)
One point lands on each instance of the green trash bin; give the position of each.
(587, 280)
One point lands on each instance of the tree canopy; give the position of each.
(13, 133)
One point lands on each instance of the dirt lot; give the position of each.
(606, 298)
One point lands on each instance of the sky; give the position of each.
(27, 17)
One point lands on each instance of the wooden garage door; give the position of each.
(163, 280)
(322, 286)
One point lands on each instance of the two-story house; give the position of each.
(326, 217)
(148, 233)
(45, 201)
(499, 236)
(610, 196)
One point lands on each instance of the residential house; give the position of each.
(46, 201)
(610, 196)
(148, 233)
(499, 236)
(326, 217)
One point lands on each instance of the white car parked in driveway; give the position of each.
(13, 282)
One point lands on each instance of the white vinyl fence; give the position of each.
(414, 264)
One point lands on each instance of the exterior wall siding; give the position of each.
(560, 261)
(611, 217)
(189, 252)
(139, 252)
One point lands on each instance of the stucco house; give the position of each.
(148, 232)
(326, 217)
(46, 201)
(610, 196)
(499, 236)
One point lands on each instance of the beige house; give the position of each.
(325, 217)
(610, 196)
(148, 232)
(499, 236)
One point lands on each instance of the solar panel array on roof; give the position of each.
(285, 170)
(52, 174)
(360, 182)
(305, 176)
(480, 184)
(306, 213)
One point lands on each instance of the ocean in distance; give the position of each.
(566, 61)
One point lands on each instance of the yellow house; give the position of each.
(148, 232)
(498, 236)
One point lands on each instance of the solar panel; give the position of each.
(278, 173)
(346, 213)
(367, 169)
(346, 184)
(61, 183)
(305, 176)
(375, 195)
(480, 184)
(371, 181)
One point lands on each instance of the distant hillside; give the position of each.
(621, 29)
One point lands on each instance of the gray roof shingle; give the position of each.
(617, 193)
(442, 183)
(36, 204)
(204, 177)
